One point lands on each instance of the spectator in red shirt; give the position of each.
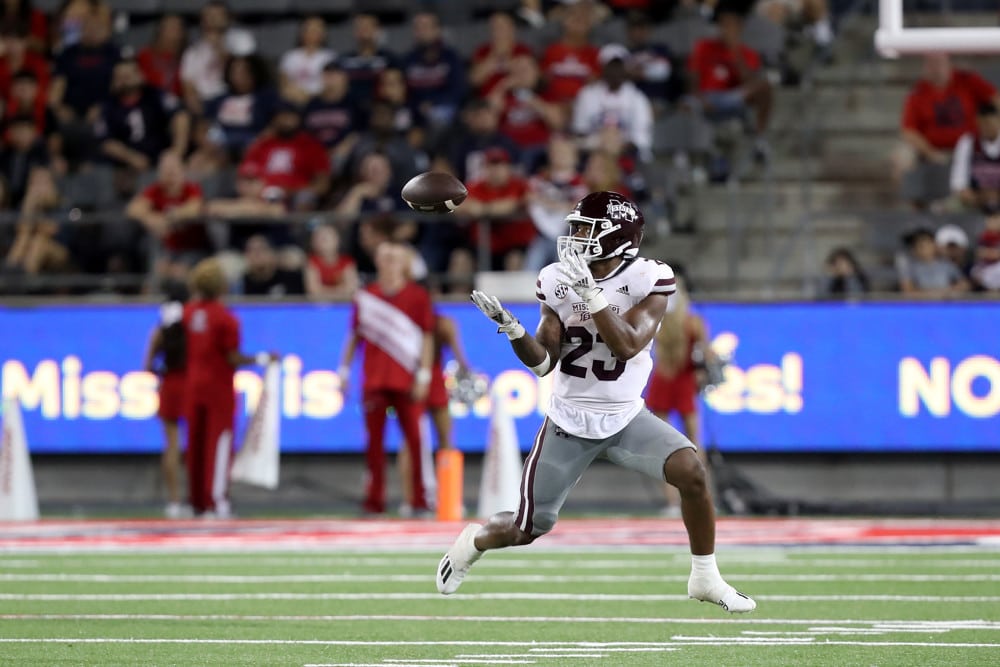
(393, 319)
(212, 337)
(492, 61)
(940, 108)
(21, 14)
(160, 61)
(170, 210)
(16, 56)
(529, 115)
(288, 162)
(569, 64)
(729, 79)
(330, 274)
(501, 194)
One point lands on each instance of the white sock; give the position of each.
(704, 566)
(823, 32)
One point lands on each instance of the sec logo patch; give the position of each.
(561, 291)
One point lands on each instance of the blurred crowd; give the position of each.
(947, 165)
(289, 167)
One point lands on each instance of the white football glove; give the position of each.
(493, 309)
(575, 274)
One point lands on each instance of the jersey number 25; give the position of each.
(585, 345)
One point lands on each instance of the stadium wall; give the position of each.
(832, 402)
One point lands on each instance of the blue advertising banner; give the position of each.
(803, 377)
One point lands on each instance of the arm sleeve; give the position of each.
(960, 163)
(663, 280)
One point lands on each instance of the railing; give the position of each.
(110, 283)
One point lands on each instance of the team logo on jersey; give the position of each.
(623, 290)
(562, 289)
(623, 210)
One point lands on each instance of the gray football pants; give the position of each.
(557, 461)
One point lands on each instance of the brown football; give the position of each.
(434, 192)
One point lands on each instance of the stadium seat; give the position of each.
(927, 183)
(399, 38)
(220, 185)
(680, 36)
(136, 6)
(189, 7)
(91, 190)
(467, 37)
(610, 32)
(252, 7)
(322, 7)
(340, 37)
(765, 37)
(276, 39)
(49, 7)
(539, 38)
(137, 36)
(404, 7)
(682, 131)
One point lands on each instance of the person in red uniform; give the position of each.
(673, 384)
(213, 354)
(393, 319)
(165, 357)
(437, 405)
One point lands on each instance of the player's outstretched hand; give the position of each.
(493, 309)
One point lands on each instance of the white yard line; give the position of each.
(815, 624)
(602, 646)
(594, 597)
(106, 578)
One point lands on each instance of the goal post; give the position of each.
(893, 38)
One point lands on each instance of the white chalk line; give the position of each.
(105, 578)
(817, 625)
(418, 546)
(688, 641)
(593, 597)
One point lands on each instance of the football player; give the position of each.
(600, 306)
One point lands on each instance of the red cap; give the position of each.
(497, 154)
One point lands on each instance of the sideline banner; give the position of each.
(831, 377)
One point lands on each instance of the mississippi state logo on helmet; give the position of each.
(615, 227)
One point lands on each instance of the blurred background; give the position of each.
(835, 216)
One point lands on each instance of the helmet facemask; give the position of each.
(589, 247)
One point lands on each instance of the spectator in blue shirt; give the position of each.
(435, 75)
(368, 60)
(651, 66)
(246, 108)
(83, 73)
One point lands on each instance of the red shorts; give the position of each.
(437, 393)
(172, 397)
(677, 394)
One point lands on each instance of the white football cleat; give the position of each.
(717, 591)
(459, 558)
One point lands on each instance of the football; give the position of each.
(434, 192)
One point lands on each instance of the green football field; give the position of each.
(846, 606)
